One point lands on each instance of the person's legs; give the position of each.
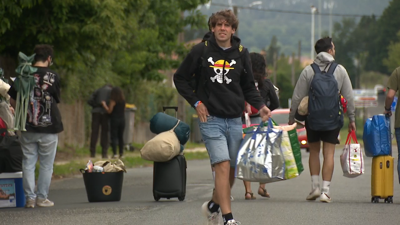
(313, 160)
(328, 165)
(121, 128)
(214, 134)
(95, 133)
(47, 152)
(315, 167)
(30, 155)
(222, 187)
(329, 139)
(314, 140)
(232, 177)
(114, 136)
(262, 191)
(104, 139)
(248, 195)
(397, 132)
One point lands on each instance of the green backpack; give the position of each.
(23, 84)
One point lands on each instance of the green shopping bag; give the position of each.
(294, 142)
(291, 170)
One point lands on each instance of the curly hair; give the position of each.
(117, 95)
(258, 66)
(42, 52)
(226, 15)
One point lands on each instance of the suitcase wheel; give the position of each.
(181, 198)
(375, 199)
(389, 199)
(156, 198)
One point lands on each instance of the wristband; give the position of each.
(197, 103)
(387, 108)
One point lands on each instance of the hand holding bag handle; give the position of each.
(351, 135)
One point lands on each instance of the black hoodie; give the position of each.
(224, 94)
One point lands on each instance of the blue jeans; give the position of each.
(36, 145)
(222, 137)
(397, 132)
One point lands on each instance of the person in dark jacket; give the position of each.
(100, 120)
(116, 109)
(226, 82)
(267, 92)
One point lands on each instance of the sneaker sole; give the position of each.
(45, 205)
(312, 198)
(325, 200)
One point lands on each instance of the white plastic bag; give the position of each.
(352, 159)
(260, 158)
(247, 119)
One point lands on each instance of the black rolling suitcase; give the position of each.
(169, 178)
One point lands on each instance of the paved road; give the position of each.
(287, 205)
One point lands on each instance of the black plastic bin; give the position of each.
(103, 187)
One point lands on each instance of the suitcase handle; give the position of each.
(170, 107)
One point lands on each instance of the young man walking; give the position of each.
(393, 86)
(315, 133)
(43, 124)
(225, 83)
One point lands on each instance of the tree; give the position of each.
(99, 42)
(273, 49)
(393, 59)
(385, 33)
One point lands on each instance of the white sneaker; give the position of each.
(30, 203)
(325, 198)
(314, 194)
(44, 203)
(233, 222)
(212, 218)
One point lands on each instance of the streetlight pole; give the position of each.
(313, 10)
(330, 6)
(319, 19)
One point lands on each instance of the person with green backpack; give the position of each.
(35, 94)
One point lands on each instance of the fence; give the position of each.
(75, 125)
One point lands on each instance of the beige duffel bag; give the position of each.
(163, 147)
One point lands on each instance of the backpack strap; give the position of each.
(332, 67)
(315, 67)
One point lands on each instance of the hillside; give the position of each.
(261, 22)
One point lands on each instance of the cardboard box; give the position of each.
(11, 190)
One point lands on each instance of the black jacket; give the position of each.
(223, 93)
(269, 95)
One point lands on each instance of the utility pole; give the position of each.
(330, 6)
(235, 11)
(293, 75)
(319, 19)
(313, 9)
(181, 100)
(299, 53)
(275, 67)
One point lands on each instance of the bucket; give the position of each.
(103, 186)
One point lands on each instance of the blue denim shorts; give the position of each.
(222, 137)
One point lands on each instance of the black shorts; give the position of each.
(330, 136)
